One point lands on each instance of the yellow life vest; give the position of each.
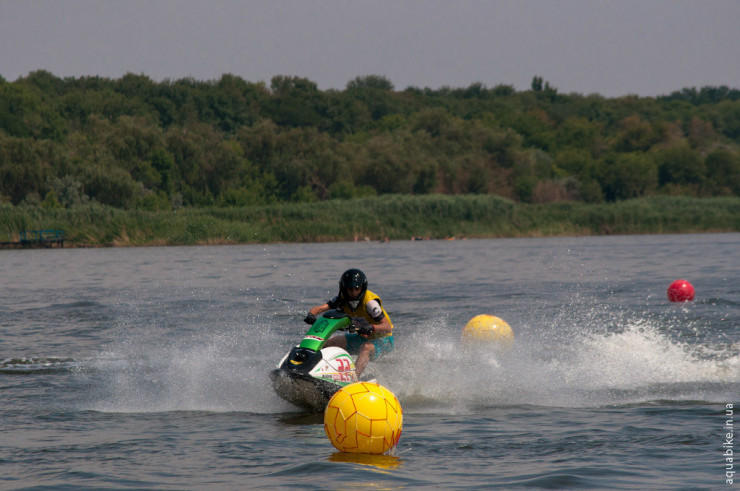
(361, 311)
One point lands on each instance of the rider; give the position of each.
(374, 332)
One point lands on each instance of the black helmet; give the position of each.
(352, 278)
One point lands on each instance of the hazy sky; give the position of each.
(610, 47)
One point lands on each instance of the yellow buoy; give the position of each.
(488, 328)
(363, 417)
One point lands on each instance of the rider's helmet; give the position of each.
(352, 278)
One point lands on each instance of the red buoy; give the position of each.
(680, 291)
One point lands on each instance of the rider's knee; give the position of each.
(336, 340)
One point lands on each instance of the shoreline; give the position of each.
(380, 219)
(217, 243)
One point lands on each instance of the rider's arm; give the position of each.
(319, 309)
(314, 311)
(382, 327)
(380, 320)
(331, 304)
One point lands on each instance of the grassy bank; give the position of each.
(388, 217)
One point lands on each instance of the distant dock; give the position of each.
(36, 239)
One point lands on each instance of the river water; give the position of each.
(146, 368)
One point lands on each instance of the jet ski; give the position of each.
(310, 373)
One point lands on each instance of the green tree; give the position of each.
(24, 167)
(296, 102)
(629, 175)
(723, 171)
(374, 92)
(68, 191)
(578, 132)
(634, 135)
(134, 142)
(537, 83)
(19, 110)
(109, 185)
(373, 82)
(680, 165)
(727, 116)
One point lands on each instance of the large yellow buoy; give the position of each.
(489, 329)
(363, 417)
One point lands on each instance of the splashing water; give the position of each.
(214, 371)
(637, 364)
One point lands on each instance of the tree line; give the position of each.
(134, 143)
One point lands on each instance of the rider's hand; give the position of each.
(310, 319)
(362, 326)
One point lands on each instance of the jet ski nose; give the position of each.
(298, 357)
(301, 359)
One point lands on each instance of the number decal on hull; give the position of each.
(344, 365)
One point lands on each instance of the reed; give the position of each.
(388, 217)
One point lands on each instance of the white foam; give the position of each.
(580, 364)
(638, 362)
(212, 371)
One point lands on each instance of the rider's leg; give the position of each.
(366, 351)
(339, 340)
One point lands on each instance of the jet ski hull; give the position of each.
(311, 372)
(303, 390)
